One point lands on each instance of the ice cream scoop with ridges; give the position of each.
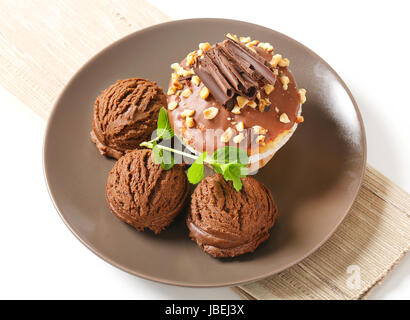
(125, 115)
(227, 223)
(142, 194)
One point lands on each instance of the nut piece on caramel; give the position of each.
(210, 113)
(188, 113)
(284, 118)
(227, 135)
(204, 93)
(172, 105)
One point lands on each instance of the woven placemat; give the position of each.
(43, 43)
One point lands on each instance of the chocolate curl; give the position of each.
(243, 86)
(210, 75)
(250, 62)
(213, 87)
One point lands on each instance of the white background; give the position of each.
(366, 42)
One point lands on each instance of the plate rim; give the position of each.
(180, 283)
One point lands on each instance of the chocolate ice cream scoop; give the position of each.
(228, 223)
(142, 194)
(125, 115)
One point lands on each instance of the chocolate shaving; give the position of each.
(223, 95)
(231, 68)
(253, 60)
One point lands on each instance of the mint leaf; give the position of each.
(157, 152)
(164, 129)
(232, 172)
(196, 171)
(237, 184)
(163, 157)
(217, 168)
(231, 154)
(167, 160)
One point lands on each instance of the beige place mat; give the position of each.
(371, 240)
(43, 43)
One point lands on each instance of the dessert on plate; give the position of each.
(236, 92)
(142, 194)
(125, 115)
(227, 223)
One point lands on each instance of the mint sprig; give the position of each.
(229, 161)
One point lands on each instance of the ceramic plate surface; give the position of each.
(314, 178)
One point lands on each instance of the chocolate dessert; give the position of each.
(125, 115)
(242, 91)
(227, 223)
(142, 194)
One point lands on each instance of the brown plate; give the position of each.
(314, 178)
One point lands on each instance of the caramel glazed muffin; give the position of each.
(241, 88)
(142, 194)
(125, 115)
(227, 223)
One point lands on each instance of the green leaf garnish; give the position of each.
(229, 161)
(230, 154)
(196, 170)
(164, 130)
(163, 157)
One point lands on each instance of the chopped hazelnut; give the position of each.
(175, 66)
(242, 101)
(260, 139)
(252, 43)
(258, 95)
(236, 110)
(268, 88)
(171, 90)
(284, 62)
(302, 95)
(227, 135)
(300, 119)
(205, 46)
(172, 105)
(259, 130)
(187, 113)
(210, 113)
(189, 122)
(204, 93)
(195, 80)
(266, 46)
(190, 59)
(245, 39)
(186, 93)
(177, 84)
(240, 126)
(275, 60)
(187, 73)
(285, 82)
(232, 36)
(252, 104)
(262, 105)
(284, 118)
(277, 109)
(238, 138)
